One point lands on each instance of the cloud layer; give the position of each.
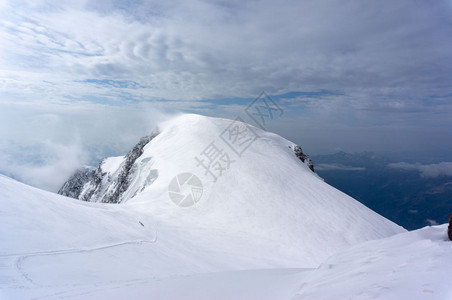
(337, 167)
(209, 49)
(430, 170)
(43, 147)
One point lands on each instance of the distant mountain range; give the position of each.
(404, 195)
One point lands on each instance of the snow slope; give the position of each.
(51, 244)
(412, 265)
(268, 210)
(54, 247)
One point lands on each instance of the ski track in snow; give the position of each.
(253, 284)
(89, 290)
(20, 258)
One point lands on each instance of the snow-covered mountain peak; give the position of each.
(224, 174)
(180, 144)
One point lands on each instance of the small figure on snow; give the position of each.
(449, 231)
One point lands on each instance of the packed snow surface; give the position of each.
(267, 228)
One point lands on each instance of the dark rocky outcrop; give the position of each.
(124, 177)
(92, 184)
(303, 157)
(74, 186)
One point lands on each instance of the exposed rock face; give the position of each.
(97, 185)
(303, 157)
(74, 186)
(123, 180)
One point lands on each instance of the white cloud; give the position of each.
(337, 167)
(431, 222)
(430, 170)
(45, 165)
(44, 146)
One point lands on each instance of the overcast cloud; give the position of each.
(396, 50)
(350, 75)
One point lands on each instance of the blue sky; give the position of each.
(350, 75)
